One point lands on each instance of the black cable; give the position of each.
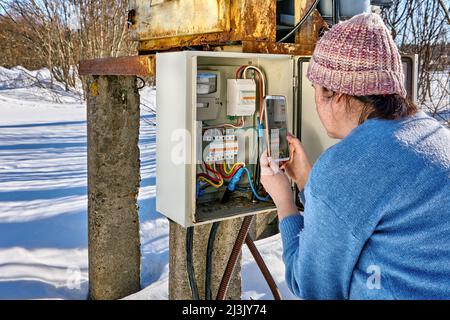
(256, 172)
(301, 22)
(336, 14)
(143, 83)
(190, 264)
(209, 256)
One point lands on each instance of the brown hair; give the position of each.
(389, 106)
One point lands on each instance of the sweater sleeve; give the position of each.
(319, 252)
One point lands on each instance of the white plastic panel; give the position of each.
(173, 118)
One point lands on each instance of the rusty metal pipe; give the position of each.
(236, 251)
(263, 267)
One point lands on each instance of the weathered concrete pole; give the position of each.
(179, 288)
(113, 185)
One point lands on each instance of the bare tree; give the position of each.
(103, 29)
(422, 27)
(66, 31)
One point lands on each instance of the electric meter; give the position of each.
(208, 94)
(207, 82)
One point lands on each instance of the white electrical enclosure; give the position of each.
(179, 131)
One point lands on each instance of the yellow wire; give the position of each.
(215, 185)
(232, 168)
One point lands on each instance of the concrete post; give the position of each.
(113, 185)
(178, 280)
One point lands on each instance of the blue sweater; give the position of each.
(376, 223)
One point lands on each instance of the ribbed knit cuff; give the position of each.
(290, 227)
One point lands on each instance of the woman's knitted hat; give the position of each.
(358, 57)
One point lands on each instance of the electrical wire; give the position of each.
(228, 174)
(301, 22)
(209, 256)
(190, 264)
(213, 184)
(213, 170)
(257, 196)
(262, 85)
(263, 77)
(239, 125)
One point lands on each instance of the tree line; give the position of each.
(57, 34)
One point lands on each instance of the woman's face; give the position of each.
(332, 110)
(324, 106)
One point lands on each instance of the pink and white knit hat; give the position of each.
(358, 57)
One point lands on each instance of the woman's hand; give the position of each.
(278, 186)
(298, 167)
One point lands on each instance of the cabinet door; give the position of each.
(309, 128)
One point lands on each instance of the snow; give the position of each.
(43, 203)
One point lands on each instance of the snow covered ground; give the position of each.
(43, 216)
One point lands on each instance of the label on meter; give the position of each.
(241, 97)
(247, 97)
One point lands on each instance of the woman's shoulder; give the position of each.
(380, 142)
(380, 158)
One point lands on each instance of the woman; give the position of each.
(376, 223)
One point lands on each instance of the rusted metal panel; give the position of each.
(309, 32)
(179, 42)
(143, 65)
(277, 48)
(254, 19)
(248, 20)
(167, 18)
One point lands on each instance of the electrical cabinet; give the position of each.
(183, 86)
(194, 90)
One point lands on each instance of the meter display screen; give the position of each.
(206, 83)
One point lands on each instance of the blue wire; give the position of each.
(257, 196)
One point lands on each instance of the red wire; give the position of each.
(207, 176)
(239, 70)
(208, 168)
(228, 176)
